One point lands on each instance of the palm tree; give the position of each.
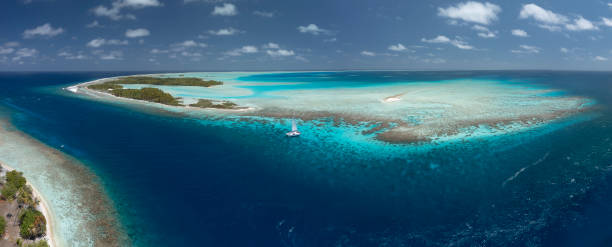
(25, 197)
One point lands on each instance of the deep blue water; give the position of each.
(180, 181)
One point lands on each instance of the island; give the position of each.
(166, 81)
(21, 223)
(206, 103)
(156, 95)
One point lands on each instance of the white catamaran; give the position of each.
(294, 130)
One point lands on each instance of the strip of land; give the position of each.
(114, 87)
(74, 202)
(19, 201)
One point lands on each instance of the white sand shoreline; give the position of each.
(43, 207)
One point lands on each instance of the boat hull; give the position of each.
(293, 134)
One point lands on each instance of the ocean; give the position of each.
(177, 179)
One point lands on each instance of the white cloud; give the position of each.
(280, 53)
(482, 13)
(541, 15)
(527, 49)
(398, 47)
(206, 1)
(224, 31)
(462, 45)
(6, 50)
(519, 33)
(263, 13)
(441, 39)
(189, 43)
(24, 53)
(113, 55)
(368, 53)
(93, 24)
(271, 46)
(581, 24)
(187, 48)
(227, 9)
(95, 43)
(71, 56)
(330, 40)
(116, 42)
(484, 32)
(137, 33)
(300, 58)
(233, 53)
(434, 60)
(11, 44)
(564, 50)
(45, 30)
(606, 21)
(158, 51)
(141, 3)
(600, 58)
(551, 28)
(553, 21)
(247, 49)
(190, 54)
(312, 29)
(114, 12)
(487, 35)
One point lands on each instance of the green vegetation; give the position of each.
(148, 94)
(157, 95)
(205, 103)
(32, 224)
(8, 192)
(41, 243)
(183, 81)
(25, 197)
(2, 225)
(14, 183)
(105, 86)
(15, 178)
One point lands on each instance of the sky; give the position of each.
(275, 35)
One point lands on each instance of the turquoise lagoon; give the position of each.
(502, 158)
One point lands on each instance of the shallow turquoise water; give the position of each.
(177, 178)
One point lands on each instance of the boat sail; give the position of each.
(294, 130)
